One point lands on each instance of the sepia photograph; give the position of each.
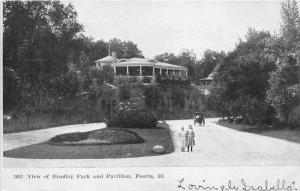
(108, 84)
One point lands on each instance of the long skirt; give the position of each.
(190, 141)
(182, 142)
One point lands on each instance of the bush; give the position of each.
(124, 93)
(132, 79)
(134, 118)
(295, 117)
(168, 81)
(152, 96)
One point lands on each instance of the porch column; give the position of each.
(153, 72)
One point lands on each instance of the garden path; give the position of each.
(215, 145)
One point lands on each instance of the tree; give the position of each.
(241, 81)
(167, 57)
(36, 39)
(186, 58)
(125, 49)
(98, 49)
(290, 27)
(284, 81)
(283, 93)
(208, 63)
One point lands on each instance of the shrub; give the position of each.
(179, 81)
(132, 79)
(124, 92)
(134, 118)
(294, 118)
(152, 96)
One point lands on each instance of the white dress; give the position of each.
(182, 139)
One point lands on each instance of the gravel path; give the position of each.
(215, 146)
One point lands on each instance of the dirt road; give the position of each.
(215, 146)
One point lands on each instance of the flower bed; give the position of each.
(98, 137)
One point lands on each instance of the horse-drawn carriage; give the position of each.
(199, 118)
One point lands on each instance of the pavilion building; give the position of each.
(141, 69)
(206, 81)
(108, 60)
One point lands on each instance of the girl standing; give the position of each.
(190, 139)
(182, 139)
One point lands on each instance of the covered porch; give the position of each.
(143, 68)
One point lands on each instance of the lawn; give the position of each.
(283, 133)
(45, 150)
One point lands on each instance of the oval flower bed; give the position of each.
(99, 144)
(98, 137)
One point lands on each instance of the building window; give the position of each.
(157, 71)
(147, 70)
(121, 71)
(183, 73)
(177, 74)
(171, 73)
(134, 70)
(164, 73)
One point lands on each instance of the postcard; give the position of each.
(151, 95)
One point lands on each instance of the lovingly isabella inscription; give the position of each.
(280, 185)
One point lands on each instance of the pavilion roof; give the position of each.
(147, 62)
(209, 77)
(172, 66)
(107, 59)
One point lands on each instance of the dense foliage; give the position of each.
(284, 90)
(260, 78)
(129, 116)
(152, 96)
(241, 80)
(196, 69)
(50, 78)
(49, 70)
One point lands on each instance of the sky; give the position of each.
(170, 26)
